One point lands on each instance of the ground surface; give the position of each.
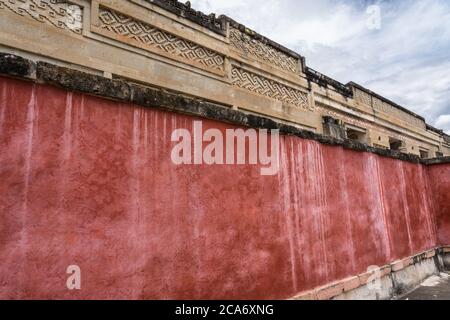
(434, 288)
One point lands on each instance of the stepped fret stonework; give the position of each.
(385, 107)
(363, 97)
(249, 46)
(143, 35)
(259, 84)
(382, 106)
(60, 14)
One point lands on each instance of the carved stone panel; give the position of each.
(144, 35)
(248, 45)
(363, 97)
(60, 14)
(272, 89)
(387, 108)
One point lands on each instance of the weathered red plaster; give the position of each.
(90, 182)
(439, 184)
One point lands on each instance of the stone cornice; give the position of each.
(261, 38)
(184, 10)
(442, 160)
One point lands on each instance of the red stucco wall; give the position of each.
(90, 182)
(439, 181)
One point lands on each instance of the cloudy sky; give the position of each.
(406, 59)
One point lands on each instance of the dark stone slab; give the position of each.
(74, 80)
(442, 160)
(16, 66)
(184, 10)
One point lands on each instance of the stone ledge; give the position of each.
(121, 90)
(337, 288)
(351, 283)
(401, 264)
(184, 10)
(329, 291)
(83, 82)
(16, 66)
(307, 295)
(435, 161)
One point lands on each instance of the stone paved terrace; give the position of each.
(434, 288)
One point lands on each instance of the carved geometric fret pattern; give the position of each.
(252, 82)
(382, 106)
(60, 14)
(363, 97)
(146, 35)
(387, 108)
(247, 45)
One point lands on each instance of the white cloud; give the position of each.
(407, 60)
(444, 122)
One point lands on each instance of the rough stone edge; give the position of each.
(263, 39)
(121, 90)
(184, 10)
(347, 285)
(327, 82)
(435, 161)
(16, 66)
